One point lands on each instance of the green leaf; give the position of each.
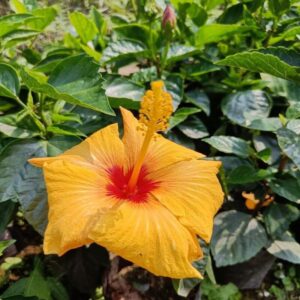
(278, 218)
(65, 130)
(237, 238)
(133, 31)
(247, 174)
(4, 245)
(123, 92)
(286, 248)
(49, 63)
(277, 7)
(75, 80)
(9, 23)
(289, 33)
(293, 111)
(279, 62)
(284, 88)
(229, 144)
(17, 36)
(9, 82)
(7, 211)
(17, 6)
(33, 286)
(264, 142)
(198, 69)
(288, 188)
(199, 99)
(45, 16)
(18, 126)
(294, 125)
(58, 291)
(289, 142)
(174, 85)
(214, 291)
(232, 14)
(24, 183)
(181, 115)
(85, 28)
(244, 107)
(66, 117)
(213, 33)
(193, 128)
(11, 263)
(265, 155)
(179, 52)
(122, 49)
(266, 124)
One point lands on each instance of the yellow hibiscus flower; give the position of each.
(142, 197)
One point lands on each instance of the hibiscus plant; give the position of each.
(216, 88)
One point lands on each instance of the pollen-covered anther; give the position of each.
(156, 107)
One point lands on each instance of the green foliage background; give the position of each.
(233, 69)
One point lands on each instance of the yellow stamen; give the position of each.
(156, 109)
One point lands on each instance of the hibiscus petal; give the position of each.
(103, 149)
(76, 196)
(150, 236)
(192, 192)
(161, 152)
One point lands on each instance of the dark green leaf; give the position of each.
(193, 128)
(286, 248)
(179, 52)
(181, 115)
(289, 142)
(288, 188)
(33, 286)
(199, 99)
(278, 218)
(133, 31)
(232, 14)
(284, 88)
(198, 69)
(267, 124)
(264, 142)
(293, 111)
(277, 7)
(75, 80)
(18, 126)
(174, 85)
(229, 144)
(24, 183)
(279, 62)
(58, 291)
(123, 92)
(122, 49)
(246, 106)
(7, 210)
(247, 174)
(9, 82)
(237, 238)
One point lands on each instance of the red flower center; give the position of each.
(118, 186)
